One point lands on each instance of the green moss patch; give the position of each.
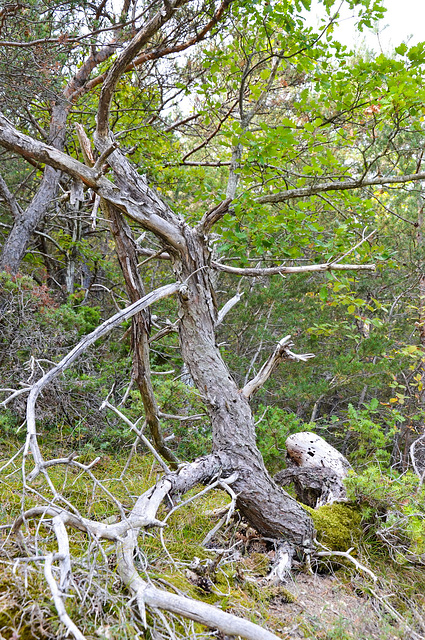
(337, 525)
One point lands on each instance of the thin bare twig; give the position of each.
(139, 433)
(103, 329)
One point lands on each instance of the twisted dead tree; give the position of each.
(235, 460)
(266, 506)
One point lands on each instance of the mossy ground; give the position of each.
(99, 605)
(337, 525)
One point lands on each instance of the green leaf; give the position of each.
(401, 49)
(323, 294)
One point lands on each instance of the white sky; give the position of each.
(404, 21)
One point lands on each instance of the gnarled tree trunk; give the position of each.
(267, 507)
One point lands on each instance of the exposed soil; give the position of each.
(325, 608)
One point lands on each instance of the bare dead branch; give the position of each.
(172, 416)
(63, 551)
(103, 329)
(170, 328)
(282, 351)
(103, 156)
(355, 183)
(206, 614)
(139, 433)
(146, 594)
(58, 600)
(346, 554)
(218, 163)
(84, 144)
(15, 394)
(282, 564)
(270, 271)
(214, 215)
(227, 307)
(161, 53)
(125, 535)
(156, 254)
(163, 255)
(419, 473)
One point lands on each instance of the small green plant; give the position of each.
(83, 318)
(371, 439)
(8, 425)
(274, 425)
(192, 437)
(393, 509)
(339, 631)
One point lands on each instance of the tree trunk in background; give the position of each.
(419, 450)
(127, 256)
(24, 226)
(421, 286)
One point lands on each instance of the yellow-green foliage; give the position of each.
(337, 525)
(393, 504)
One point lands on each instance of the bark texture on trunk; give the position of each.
(267, 507)
(26, 223)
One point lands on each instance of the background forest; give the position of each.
(316, 152)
